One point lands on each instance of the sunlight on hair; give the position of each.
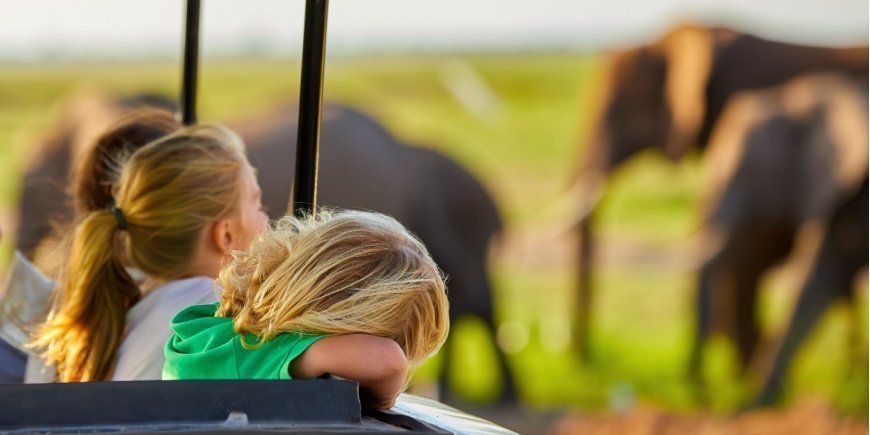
(338, 272)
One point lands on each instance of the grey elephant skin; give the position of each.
(361, 166)
(668, 96)
(785, 165)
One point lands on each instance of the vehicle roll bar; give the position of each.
(303, 191)
(190, 66)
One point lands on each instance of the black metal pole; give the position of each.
(303, 192)
(191, 62)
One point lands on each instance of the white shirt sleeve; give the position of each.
(24, 301)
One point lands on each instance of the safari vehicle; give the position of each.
(248, 406)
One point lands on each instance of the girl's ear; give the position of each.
(222, 236)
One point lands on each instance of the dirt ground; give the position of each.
(807, 417)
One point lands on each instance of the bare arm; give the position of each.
(377, 363)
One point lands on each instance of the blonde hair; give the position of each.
(167, 193)
(338, 273)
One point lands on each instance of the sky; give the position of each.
(59, 29)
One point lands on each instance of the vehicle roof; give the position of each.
(247, 406)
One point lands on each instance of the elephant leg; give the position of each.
(840, 255)
(746, 329)
(702, 331)
(582, 319)
(444, 368)
(482, 308)
(703, 320)
(732, 273)
(856, 345)
(830, 276)
(758, 250)
(508, 395)
(713, 277)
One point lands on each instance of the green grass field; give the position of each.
(523, 144)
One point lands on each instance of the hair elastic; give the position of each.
(122, 222)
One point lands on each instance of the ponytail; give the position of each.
(97, 170)
(88, 317)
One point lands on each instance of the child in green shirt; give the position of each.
(351, 294)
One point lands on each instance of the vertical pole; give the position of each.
(191, 62)
(303, 192)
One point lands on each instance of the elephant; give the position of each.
(785, 166)
(668, 96)
(361, 166)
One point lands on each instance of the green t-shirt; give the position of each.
(206, 347)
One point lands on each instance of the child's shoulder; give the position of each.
(201, 346)
(271, 359)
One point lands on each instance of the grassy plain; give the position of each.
(522, 136)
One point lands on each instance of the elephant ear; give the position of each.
(834, 111)
(688, 51)
(848, 126)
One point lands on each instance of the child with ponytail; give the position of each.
(181, 204)
(27, 290)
